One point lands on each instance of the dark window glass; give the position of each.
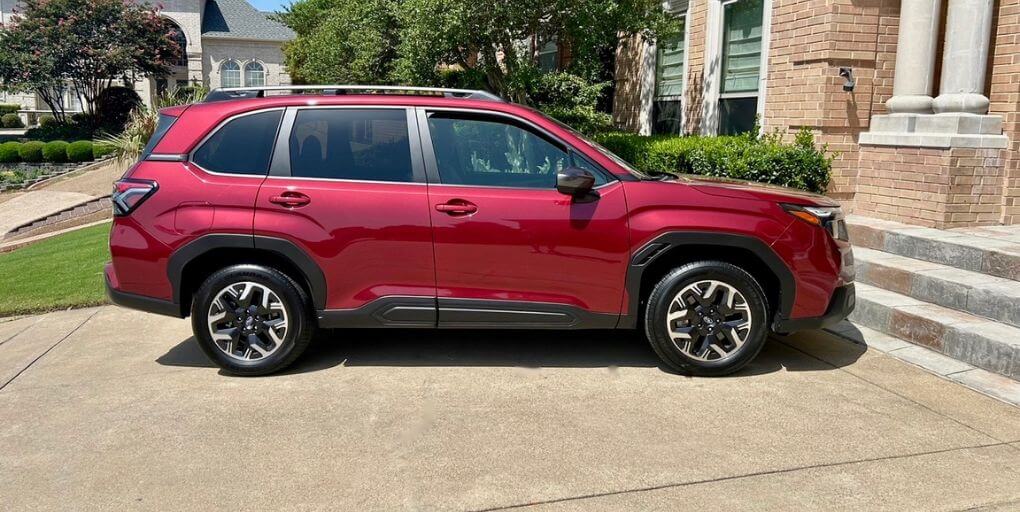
(667, 116)
(242, 146)
(486, 151)
(351, 144)
(163, 124)
(737, 115)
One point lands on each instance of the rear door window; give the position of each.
(351, 144)
(243, 145)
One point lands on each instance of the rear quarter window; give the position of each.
(242, 145)
(163, 124)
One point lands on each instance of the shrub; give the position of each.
(58, 131)
(47, 120)
(101, 149)
(9, 152)
(572, 100)
(114, 106)
(763, 159)
(584, 119)
(80, 151)
(55, 151)
(11, 121)
(9, 108)
(31, 151)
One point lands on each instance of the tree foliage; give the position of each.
(415, 42)
(86, 44)
(341, 41)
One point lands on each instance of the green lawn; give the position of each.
(57, 273)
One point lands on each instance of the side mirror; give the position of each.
(575, 182)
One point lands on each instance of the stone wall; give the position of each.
(270, 54)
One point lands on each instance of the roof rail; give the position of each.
(232, 93)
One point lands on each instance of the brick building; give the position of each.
(928, 133)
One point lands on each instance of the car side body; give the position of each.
(414, 251)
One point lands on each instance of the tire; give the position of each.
(681, 342)
(249, 289)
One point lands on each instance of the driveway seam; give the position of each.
(15, 335)
(47, 351)
(894, 392)
(738, 477)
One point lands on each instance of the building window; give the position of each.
(741, 66)
(667, 107)
(254, 75)
(548, 57)
(182, 43)
(230, 74)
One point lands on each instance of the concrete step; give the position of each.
(995, 298)
(978, 341)
(998, 257)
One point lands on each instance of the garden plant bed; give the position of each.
(23, 175)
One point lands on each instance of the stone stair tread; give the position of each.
(979, 294)
(992, 254)
(972, 339)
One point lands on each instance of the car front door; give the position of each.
(347, 187)
(509, 249)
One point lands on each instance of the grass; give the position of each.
(58, 273)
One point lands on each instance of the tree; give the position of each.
(492, 36)
(86, 44)
(341, 41)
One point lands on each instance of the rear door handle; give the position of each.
(457, 207)
(290, 199)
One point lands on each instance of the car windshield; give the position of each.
(602, 149)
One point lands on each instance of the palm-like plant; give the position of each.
(128, 144)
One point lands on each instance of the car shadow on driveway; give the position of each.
(525, 349)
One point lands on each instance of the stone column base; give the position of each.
(930, 186)
(950, 130)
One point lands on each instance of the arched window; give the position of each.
(254, 75)
(230, 74)
(182, 43)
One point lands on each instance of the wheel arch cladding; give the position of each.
(670, 250)
(192, 263)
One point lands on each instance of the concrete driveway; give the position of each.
(110, 409)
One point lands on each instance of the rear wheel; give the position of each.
(707, 318)
(251, 320)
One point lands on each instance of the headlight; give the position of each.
(828, 217)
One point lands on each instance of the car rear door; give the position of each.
(347, 187)
(509, 249)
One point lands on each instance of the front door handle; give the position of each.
(290, 199)
(457, 207)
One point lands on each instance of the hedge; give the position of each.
(9, 152)
(763, 159)
(31, 151)
(55, 151)
(80, 151)
(9, 108)
(101, 149)
(46, 120)
(11, 121)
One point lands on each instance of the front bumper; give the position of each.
(139, 302)
(842, 303)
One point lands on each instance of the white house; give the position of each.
(228, 43)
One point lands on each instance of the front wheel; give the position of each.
(707, 318)
(251, 320)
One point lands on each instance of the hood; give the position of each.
(743, 189)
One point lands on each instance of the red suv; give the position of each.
(266, 216)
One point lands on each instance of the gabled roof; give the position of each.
(237, 19)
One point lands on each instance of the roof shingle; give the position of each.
(237, 19)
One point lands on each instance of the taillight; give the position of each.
(129, 193)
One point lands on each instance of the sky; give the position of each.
(269, 5)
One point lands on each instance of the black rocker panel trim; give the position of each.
(496, 314)
(285, 248)
(429, 312)
(661, 244)
(404, 312)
